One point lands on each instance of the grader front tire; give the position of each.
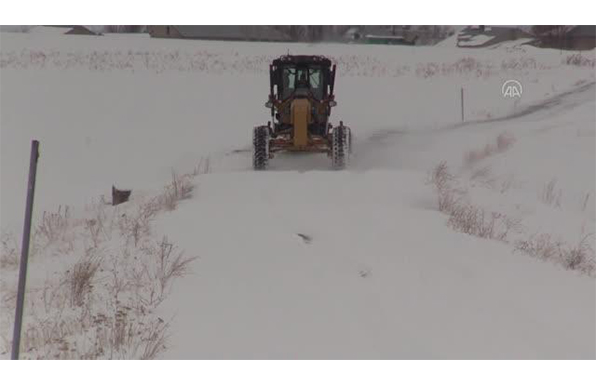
(260, 142)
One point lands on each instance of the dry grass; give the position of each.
(9, 252)
(442, 179)
(503, 142)
(172, 263)
(584, 202)
(580, 60)
(203, 167)
(476, 221)
(465, 217)
(53, 225)
(579, 257)
(179, 188)
(80, 278)
(550, 195)
(104, 305)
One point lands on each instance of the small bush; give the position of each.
(503, 142)
(180, 188)
(442, 179)
(9, 254)
(550, 195)
(475, 221)
(580, 60)
(80, 279)
(579, 257)
(53, 225)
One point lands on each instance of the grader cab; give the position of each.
(300, 99)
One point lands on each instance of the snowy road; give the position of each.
(300, 261)
(379, 277)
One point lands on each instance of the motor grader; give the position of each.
(300, 99)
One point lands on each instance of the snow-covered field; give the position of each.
(301, 261)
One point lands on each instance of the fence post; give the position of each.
(18, 318)
(462, 104)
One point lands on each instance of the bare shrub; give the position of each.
(103, 306)
(550, 195)
(171, 263)
(508, 183)
(584, 203)
(580, 60)
(154, 340)
(475, 221)
(442, 179)
(53, 225)
(474, 156)
(137, 224)
(579, 257)
(465, 217)
(80, 279)
(482, 173)
(203, 167)
(503, 142)
(94, 227)
(484, 176)
(179, 188)
(9, 254)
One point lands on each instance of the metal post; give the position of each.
(462, 104)
(18, 318)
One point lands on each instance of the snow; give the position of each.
(49, 30)
(382, 275)
(473, 40)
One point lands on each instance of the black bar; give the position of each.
(18, 318)
(462, 104)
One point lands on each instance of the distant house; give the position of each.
(218, 32)
(388, 40)
(574, 37)
(63, 30)
(376, 34)
(479, 36)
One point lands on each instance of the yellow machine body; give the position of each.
(301, 118)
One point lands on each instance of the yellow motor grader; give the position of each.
(300, 99)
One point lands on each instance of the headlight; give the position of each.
(332, 103)
(269, 104)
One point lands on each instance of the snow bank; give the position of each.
(301, 262)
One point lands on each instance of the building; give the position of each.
(63, 30)
(574, 37)
(218, 32)
(378, 34)
(480, 36)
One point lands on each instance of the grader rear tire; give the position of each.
(341, 140)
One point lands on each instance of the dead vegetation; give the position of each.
(463, 215)
(442, 181)
(503, 142)
(9, 254)
(178, 189)
(80, 278)
(104, 305)
(579, 257)
(551, 195)
(471, 219)
(53, 225)
(580, 60)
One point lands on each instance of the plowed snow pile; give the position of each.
(442, 239)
